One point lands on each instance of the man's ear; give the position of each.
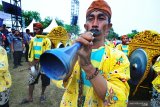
(109, 25)
(86, 27)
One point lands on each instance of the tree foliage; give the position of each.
(112, 34)
(59, 22)
(47, 21)
(132, 34)
(73, 29)
(30, 15)
(1, 7)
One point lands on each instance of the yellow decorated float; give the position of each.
(144, 48)
(59, 37)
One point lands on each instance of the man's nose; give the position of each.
(95, 22)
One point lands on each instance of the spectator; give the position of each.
(124, 46)
(5, 79)
(10, 37)
(5, 32)
(17, 48)
(37, 46)
(2, 38)
(26, 38)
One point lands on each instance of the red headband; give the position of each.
(99, 5)
(38, 25)
(123, 36)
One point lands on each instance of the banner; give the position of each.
(1, 22)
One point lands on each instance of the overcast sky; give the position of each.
(127, 14)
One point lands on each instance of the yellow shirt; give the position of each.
(114, 67)
(109, 43)
(123, 48)
(5, 77)
(37, 46)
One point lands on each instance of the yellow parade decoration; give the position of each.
(147, 42)
(58, 37)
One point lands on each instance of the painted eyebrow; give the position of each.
(90, 15)
(99, 15)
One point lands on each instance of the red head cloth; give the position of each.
(124, 36)
(99, 5)
(38, 25)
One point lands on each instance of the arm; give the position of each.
(101, 84)
(23, 44)
(12, 47)
(48, 44)
(98, 82)
(30, 52)
(4, 72)
(117, 74)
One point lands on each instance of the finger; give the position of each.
(83, 41)
(88, 36)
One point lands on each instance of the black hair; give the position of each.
(27, 30)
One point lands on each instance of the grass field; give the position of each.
(19, 89)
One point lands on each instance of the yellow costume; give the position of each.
(156, 81)
(38, 45)
(114, 67)
(5, 77)
(109, 43)
(123, 48)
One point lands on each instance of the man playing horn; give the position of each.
(100, 76)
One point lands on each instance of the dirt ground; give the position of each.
(19, 88)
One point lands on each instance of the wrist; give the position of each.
(93, 74)
(89, 69)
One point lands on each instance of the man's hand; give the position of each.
(33, 63)
(23, 46)
(12, 50)
(84, 52)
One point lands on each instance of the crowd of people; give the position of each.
(100, 75)
(11, 42)
(16, 43)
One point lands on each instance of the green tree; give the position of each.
(47, 21)
(112, 34)
(59, 22)
(72, 29)
(29, 16)
(1, 7)
(132, 34)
